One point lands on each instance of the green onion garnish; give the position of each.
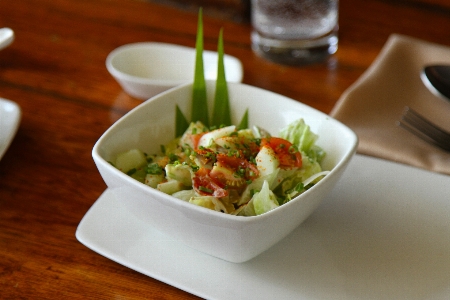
(131, 171)
(154, 169)
(205, 189)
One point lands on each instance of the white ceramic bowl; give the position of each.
(232, 238)
(146, 69)
(6, 37)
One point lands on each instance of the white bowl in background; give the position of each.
(6, 37)
(10, 115)
(232, 238)
(149, 68)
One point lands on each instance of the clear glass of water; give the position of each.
(295, 31)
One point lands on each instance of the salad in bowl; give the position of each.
(244, 172)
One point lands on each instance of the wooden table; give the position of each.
(55, 70)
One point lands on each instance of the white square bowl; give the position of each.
(232, 238)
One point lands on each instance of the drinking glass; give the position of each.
(295, 31)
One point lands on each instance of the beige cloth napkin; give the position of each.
(375, 102)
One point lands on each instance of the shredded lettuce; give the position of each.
(264, 200)
(300, 135)
(211, 203)
(231, 180)
(245, 210)
(184, 195)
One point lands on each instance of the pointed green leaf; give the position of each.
(244, 122)
(199, 110)
(181, 123)
(221, 110)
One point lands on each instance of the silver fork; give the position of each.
(424, 129)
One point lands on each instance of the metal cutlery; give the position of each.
(418, 125)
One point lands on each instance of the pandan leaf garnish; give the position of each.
(199, 106)
(221, 110)
(244, 122)
(181, 123)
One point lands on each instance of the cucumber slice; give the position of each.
(132, 159)
(170, 187)
(208, 139)
(181, 173)
(154, 179)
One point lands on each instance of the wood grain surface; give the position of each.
(55, 70)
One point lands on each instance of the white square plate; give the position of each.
(383, 233)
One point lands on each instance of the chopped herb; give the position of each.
(131, 172)
(173, 157)
(154, 169)
(293, 149)
(187, 151)
(205, 189)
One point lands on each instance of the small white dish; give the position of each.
(229, 237)
(10, 115)
(378, 235)
(146, 69)
(6, 37)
